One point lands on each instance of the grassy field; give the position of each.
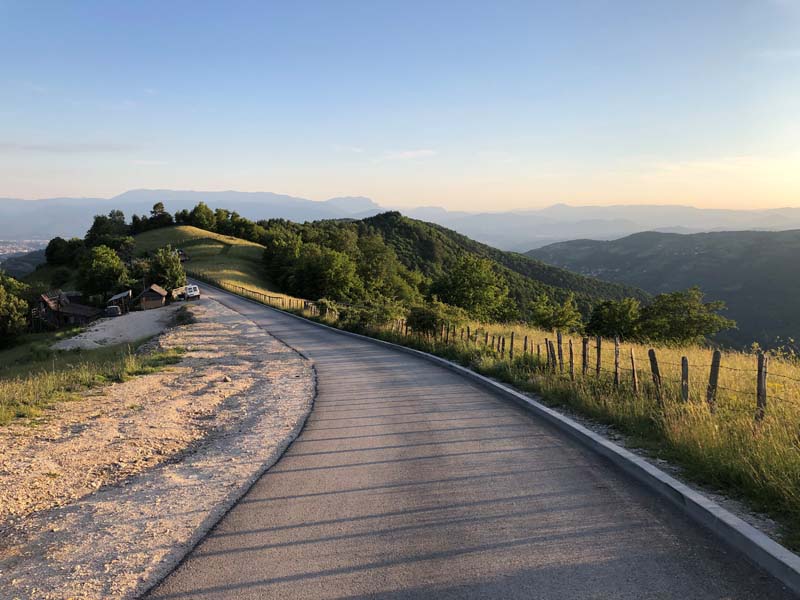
(33, 376)
(214, 257)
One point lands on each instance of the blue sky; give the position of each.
(487, 105)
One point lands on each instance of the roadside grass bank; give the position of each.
(755, 461)
(38, 377)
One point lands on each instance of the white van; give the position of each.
(192, 292)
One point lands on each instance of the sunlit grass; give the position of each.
(29, 386)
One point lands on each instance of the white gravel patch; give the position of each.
(119, 330)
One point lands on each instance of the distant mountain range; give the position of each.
(511, 230)
(756, 273)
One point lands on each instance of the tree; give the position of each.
(547, 314)
(63, 252)
(159, 217)
(166, 269)
(616, 318)
(101, 272)
(324, 273)
(203, 217)
(683, 317)
(107, 230)
(13, 308)
(472, 284)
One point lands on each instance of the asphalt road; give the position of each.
(411, 482)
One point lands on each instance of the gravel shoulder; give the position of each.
(107, 495)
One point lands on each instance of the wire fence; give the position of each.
(598, 362)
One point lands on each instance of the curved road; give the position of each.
(411, 482)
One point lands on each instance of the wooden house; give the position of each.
(153, 297)
(57, 308)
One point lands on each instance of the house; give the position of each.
(153, 297)
(57, 308)
(123, 300)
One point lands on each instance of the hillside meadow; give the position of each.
(213, 257)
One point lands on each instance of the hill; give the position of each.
(220, 257)
(19, 265)
(432, 249)
(756, 273)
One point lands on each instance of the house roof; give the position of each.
(153, 288)
(120, 296)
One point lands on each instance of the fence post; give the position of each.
(761, 386)
(525, 346)
(560, 341)
(713, 380)
(547, 351)
(634, 373)
(584, 356)
(599, 355)
(616, 362)
(656, 376)
(406, 331)
(571, 362)
(486, 339)
(685, 378)
(553, 359)
(539, 352)
(447, 335)
(503, 347)
(511, 347)
(492, 342)
(469, 335)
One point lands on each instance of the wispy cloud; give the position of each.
(408, 154)
(64, 147)
(149, 91)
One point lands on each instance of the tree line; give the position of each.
(351, 265)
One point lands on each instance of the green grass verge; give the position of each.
(34, 377)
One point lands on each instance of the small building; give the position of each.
(153, 297)
(56, 309)
(123, 300)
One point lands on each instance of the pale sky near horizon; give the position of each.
(467, 105)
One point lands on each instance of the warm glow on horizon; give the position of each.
(517, 107)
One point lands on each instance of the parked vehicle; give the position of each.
(192, 292)
(113, 311)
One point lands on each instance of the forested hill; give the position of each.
(756, 273)
(432, 249)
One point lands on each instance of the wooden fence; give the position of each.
(560, 359)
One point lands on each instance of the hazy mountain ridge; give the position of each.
(518, 230)
(757, 273)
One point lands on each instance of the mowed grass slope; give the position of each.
(221, 258)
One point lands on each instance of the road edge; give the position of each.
(755, 545)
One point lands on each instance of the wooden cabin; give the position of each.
(153, 297)
(57, 308)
